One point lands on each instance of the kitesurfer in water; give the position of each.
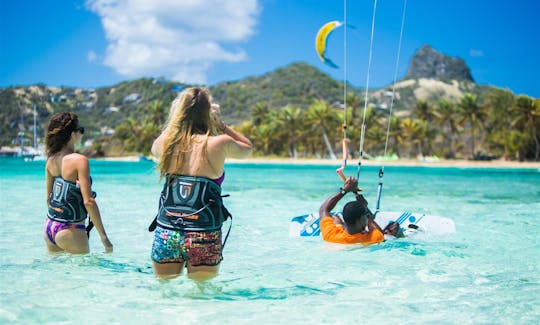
(358, 225)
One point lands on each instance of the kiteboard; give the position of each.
(307, 225)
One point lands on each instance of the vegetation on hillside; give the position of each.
(497, 124)
(297, 84)
(295, 111)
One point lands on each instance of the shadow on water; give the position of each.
(232, 289)
(92, 260)
(122, 267)
(422, 248)
(229, 288)
(218, 291)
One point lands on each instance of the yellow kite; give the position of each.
(320, 41)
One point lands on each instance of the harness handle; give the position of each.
(345, 148)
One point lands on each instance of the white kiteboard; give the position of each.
(410, 222)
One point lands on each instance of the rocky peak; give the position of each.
(428, 63)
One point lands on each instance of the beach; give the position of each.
(459, 163)
(442, 163)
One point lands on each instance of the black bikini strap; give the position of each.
(228, 232)
(153, 225)
(89, 228)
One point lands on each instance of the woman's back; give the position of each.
(64, 166)
(207, 155)
(203, 159)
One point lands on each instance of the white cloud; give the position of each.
(91, 56)
(476, 53)
(178, 39)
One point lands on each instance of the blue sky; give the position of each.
(101, 42)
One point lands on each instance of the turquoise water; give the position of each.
(485, 273)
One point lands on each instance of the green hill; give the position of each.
(297, 84)
(104, 109)
(125, 118)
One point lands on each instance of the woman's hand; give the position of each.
(215, 114)
(107, 244)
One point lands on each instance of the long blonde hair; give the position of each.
(189, 115)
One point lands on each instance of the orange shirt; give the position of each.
(337, 234)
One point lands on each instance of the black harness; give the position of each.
(66, 203)
(191, 203)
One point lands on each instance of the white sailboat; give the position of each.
(36, 153)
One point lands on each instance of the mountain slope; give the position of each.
(297, 84)
(431, 76)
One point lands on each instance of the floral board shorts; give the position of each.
(195, 247)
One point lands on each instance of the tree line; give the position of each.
(495, 124)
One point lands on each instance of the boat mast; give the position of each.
(35, 129)
(21, 135)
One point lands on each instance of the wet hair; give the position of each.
(189, 115)
(355, 215)
(59, 131)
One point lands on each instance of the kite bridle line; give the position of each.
(363, 129)
(345, 146)
(345, 149)
(381, 170)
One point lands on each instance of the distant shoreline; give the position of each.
(443, 163)
(459, 163)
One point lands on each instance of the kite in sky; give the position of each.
(320, 41)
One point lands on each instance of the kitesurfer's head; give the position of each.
(355, 216)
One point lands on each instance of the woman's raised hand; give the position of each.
(215, 113)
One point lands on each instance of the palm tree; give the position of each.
(375, 130)
(131, 139)
(248, 130)
(412, 132)
(291, 121)
(275, 132)
(263, 138)
(472, 113)
(352, 121)
(322, 117)
(424, 111)
(527, 119)
(148, 132)
(259, 113)
(353, 104)
(394, 139)
(157, 112)
(500, 104)
(445, 118)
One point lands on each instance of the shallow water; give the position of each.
(486, 272)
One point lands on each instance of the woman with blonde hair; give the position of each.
(69, 193)
(187, 229)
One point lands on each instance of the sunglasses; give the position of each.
(79, 129)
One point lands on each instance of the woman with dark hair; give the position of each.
(191, 212)
(69, 194)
